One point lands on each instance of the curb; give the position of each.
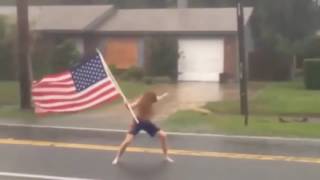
(66, 131)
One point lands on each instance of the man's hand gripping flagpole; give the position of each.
(117, 86)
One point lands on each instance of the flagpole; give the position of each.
(117, 86)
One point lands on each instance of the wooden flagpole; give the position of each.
(117, 86)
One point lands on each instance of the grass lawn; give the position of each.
(190, 121)
(9, 100)
(9, 93)
(276, 98)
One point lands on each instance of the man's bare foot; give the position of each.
(169, 159)
(115, 161)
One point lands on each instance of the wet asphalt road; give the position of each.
(96, 164)
(138, 166)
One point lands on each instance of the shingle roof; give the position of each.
(61, 17)
(11, 11)
(69, 17)
(174, 20)
(107, 19)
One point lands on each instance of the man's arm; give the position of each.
(134, 103)
(162, 96)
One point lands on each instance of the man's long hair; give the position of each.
(145, 104)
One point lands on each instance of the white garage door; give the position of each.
(200, 59)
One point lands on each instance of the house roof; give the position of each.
(62, 18)
(69, 17)
(11, 11)
(106, 19)
(174, 20)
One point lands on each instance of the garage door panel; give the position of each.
(200, 59)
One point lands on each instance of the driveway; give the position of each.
(190, 95)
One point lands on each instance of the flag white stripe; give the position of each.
(70, 97)
(63, 103)
(55, 79)
(56, 90)
(78, 108)
(70, 82)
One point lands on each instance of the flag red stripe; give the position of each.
(81, 106)
(68, 81)
(73, 105)
(57, 75)
(53, 86)
(101, 90)
(46, 112)
(67, 77)
(105, 84)
(62, 77)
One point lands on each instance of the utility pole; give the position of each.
(23, 54)
(242, 64)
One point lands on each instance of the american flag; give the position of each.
(82, 87)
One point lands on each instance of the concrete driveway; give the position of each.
(190, 95)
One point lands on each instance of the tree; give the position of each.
(49, 56)
(65, 55)
(163, 56)
(7, 48)
(285, 25)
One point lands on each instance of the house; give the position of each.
(207, 37)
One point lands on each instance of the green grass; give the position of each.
(9, 99)
(189, 121)
(9, 91)
(13, 111)
(276, 98)
(290, 98)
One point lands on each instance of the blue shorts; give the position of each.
(145, 125)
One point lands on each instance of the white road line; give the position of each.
(38, 176)
(170, 133)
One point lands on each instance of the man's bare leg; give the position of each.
(123, 147)
(163, 140)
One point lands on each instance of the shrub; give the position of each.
(64, 56)
(312, 73)
(115, 71)
(134, 73)
(163, 56)
(311, 49)
(46, 55)
(50, 57)
(270, 65)
(148, 80)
